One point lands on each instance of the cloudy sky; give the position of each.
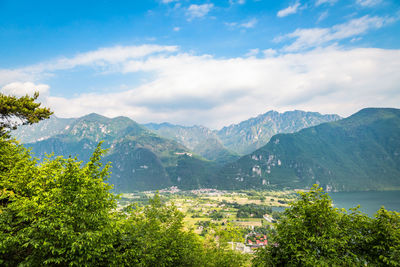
(203, 62)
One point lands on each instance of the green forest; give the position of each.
(62, 212)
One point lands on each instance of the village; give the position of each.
(251, 213)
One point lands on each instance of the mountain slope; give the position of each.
(361, 152)
(140, 159)
(42, 130)
(249, 135)
(226, 144)
(199, 139)
(81, 136)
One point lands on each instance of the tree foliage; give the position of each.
(252, 210)
(314, 233)
(60, 212)
(56, 213)
(20, 110)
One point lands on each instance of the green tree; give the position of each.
(56, 213)
(314, 233)
(60, 212)
(20, 110)
(220, 246)
(154, 236)
(384, 239)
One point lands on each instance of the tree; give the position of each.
(154, 236)
(384, 239)
(20, 110)
(314, 233)
(220, 247)
(56, 213)
(59, 212)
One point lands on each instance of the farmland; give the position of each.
(248, 211)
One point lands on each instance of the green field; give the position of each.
(206, 208)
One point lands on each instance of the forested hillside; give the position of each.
(61, 212)
(361, 152)
(187, 157)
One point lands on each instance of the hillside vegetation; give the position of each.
(361, 152)
(141, 159)
(60, 212)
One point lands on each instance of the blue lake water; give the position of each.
(369, 201)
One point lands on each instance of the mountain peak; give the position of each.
(377, 111)
(360, 153)
(255, 132)
(369, 115)
(94, 117)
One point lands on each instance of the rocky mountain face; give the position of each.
(201, 140)
(141, 160)
(41, 131)
(361, 152)
(249, 135)
(239, 139)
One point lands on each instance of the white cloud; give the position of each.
(168, 1)
(240, 2)
(355, 39)
(176, 29)
(250, 24)
(198, 11)
(322, 16)
(253, 52)
(368, 3)
(289, 10)
(320, 2)
(105, 56)
(269, 52)
(217, 92)
(202, 89)
(21, 89)
(27, 88)
(8, 76)
(107, 59)
(314, 37)
(230, 24)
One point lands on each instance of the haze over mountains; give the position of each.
(348, 154)
(244, 137)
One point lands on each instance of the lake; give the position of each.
(369, 201)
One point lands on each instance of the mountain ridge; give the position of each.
(361, 152)
(262, 127)
(344, 155)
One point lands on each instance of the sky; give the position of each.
(208, 62)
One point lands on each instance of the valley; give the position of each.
(249, 212)
(218, 206)
(201, 133)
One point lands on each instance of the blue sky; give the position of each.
(202, 62)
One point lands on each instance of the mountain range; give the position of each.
(361, 152)
(241, 138)
(141, 160)
(274, 150)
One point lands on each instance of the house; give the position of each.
(254, 240)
